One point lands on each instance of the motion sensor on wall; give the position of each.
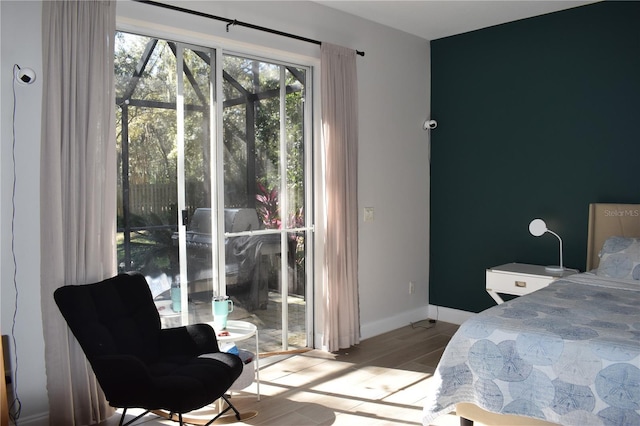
(25, 75)
(430, 125)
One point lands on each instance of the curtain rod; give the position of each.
(231, 22)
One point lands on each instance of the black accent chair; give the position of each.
(137, 363)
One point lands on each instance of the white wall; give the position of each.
(393, 153)
(22, 47)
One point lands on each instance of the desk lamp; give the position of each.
(537, 227)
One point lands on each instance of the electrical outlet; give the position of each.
(412, 287)
(368, 214)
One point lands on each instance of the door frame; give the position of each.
(313, 152)
(309, 228)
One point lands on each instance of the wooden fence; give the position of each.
(162, 199)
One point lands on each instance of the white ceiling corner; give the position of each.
(431, 20)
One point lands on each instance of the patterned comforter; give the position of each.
(568, 354)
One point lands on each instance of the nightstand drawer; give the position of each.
(516, 284)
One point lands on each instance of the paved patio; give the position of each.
(268, 321)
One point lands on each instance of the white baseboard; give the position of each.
(41, 419)
(379, 326)
(453, 316)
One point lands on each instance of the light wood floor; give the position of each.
(381, 381)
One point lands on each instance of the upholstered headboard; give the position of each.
(606, 220)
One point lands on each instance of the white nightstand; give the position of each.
(519, 279)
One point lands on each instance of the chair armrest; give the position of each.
(194, 340)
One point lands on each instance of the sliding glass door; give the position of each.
(266, 176)
(213, 196)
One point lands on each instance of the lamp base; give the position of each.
(556, 270)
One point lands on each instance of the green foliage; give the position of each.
(268, 207)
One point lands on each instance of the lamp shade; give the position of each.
(537, 227)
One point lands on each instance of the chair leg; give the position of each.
(124, 411)
(229, 407)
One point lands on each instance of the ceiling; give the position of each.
(432, 19)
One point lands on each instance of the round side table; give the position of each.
(238, 331)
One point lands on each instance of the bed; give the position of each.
(566, 354)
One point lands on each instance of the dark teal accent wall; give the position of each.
(536, 118)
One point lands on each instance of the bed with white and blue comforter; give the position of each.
(568, 353)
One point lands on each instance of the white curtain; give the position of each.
(77, 188)
(339, 97)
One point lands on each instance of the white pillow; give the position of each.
(620, 258)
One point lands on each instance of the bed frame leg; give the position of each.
(465, 422)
